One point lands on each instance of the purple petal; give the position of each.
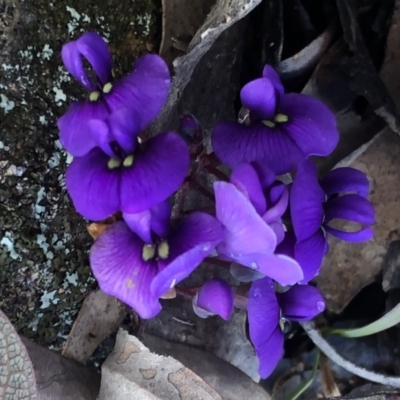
(190, 129)
(216, 296)
(362, 235)
(101, 135)
(93, 187)
(263, 315)
(140, 224)
(259, 97)
(156, 173)
(234, 144)
(306, 198)
(346, 179)
(278, 229)
(160, 217)
(286, 247)
(309, 253)
(266, 175)
(301, 303)
(73, 62)
(75, 134)
(311, 124)
(279, 267)
(270, 73)
(154, 220)
(124, 128)
(270, 353)
(245, 178)
(278, 199)
(117, 264)
(144, 90)
(93, 47)
(245, 231)
(263, 311)
(189, 245)
(350, 207)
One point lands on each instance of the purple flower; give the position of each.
(267, 312)
(314, 205)
(283, 129)
(139, 272)
(215, 297)
(251, 225)
(122, 174)
(143, 91)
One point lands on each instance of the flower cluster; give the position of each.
(269, 233)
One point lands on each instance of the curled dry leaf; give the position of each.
(132, 371)
(17, 378)
(99, 316)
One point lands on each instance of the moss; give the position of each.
(44, 272)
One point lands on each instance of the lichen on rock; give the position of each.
(44, 272)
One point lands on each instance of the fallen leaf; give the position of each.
(17, 378)
(99, 316)
(132, 370)
(61, 378)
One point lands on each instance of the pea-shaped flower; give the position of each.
(282, 129)
(143, 91)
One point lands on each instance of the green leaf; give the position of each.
(389, 320)
(16, 369)
(306, 384)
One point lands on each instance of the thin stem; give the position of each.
(330, 352)
(216, 172)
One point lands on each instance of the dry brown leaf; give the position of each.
(99, 316)
(132, 368)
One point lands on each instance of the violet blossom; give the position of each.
(122, 174)
(267, 313)
(143, 91)
(252, 225)
(282, 129)
(315, 205)
(138, 272)
(215, 297)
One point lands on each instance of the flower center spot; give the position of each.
(107, 87)
(94, 96)
(148, 252)
(113, 163)
(269, 123)
(163, 250)
(280, 118)
(128, 161)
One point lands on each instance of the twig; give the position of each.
(331, 353)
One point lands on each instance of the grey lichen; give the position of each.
(44, 272)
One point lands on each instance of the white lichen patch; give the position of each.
(43, 120)
(60, 96)
(6, 104)
(38, 208)
(8, 241)
(48, 298)
(13, 170)
(46, 53)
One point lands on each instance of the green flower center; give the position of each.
(278, 119)
(107, 87)
(94, 96)
(114, 163)
(150, 251)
